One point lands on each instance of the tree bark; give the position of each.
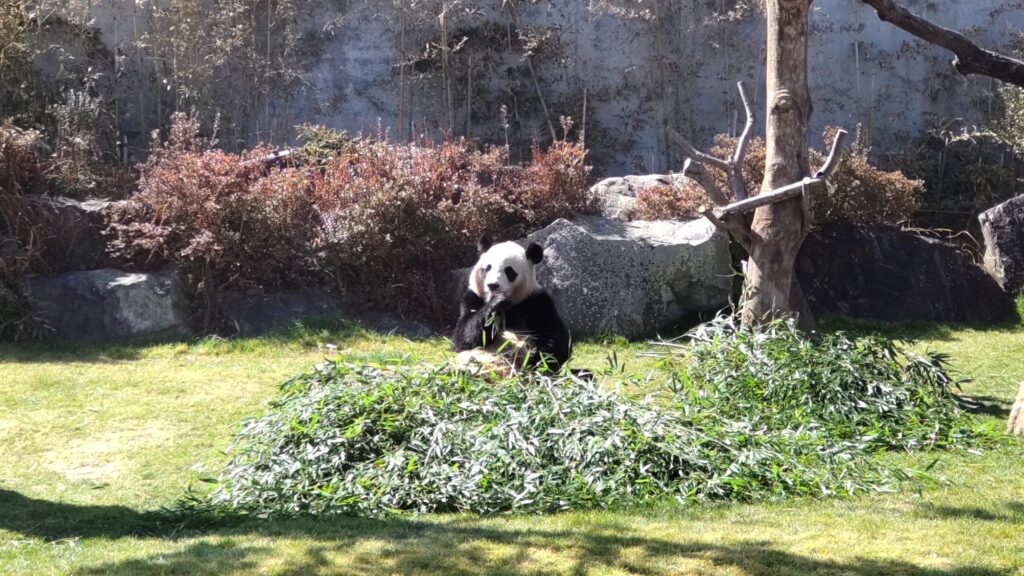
(778, 229)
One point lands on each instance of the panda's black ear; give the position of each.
(534, 253)
(484, 244)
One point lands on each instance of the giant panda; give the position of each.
(506, 320)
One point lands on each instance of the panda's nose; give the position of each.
(493, 286)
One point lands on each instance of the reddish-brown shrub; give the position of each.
(672, 202)
(398, 218)
(220, 218)
(383, 222)
(858, 193)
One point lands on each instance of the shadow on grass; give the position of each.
(432, 549)
(906, 331)
(987, 405)
(308, 333)
(407, 545)
(1009, 512)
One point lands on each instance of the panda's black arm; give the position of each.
(472, 325)
(539, 314)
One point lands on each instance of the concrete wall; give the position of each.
(639, 74)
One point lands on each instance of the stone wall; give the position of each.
(673, 65)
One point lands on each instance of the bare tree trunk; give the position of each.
(778, 229)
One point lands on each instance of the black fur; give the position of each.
(535, 317)
(534, 253)
(484, 244)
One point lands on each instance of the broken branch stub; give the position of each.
(739, 188)
(806, 186)
(698, 173)
(733, 167)
(833, 156)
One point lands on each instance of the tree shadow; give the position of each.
(405, 545)
(906, 331)
(987, 405)
(1009, 512)
(408, 547)
(221, 557)
(305, 332)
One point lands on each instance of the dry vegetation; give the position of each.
(380, 221)
(859, 192)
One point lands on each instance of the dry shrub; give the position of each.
(384, 223)
(859, 193)
(398, 218)
(670, 202)
(221, 219)
(23, 156)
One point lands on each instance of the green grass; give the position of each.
(94, 439)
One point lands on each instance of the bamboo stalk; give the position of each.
(401, 72)
(469, 99)
(138, 64)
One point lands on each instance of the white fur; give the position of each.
(499, 257)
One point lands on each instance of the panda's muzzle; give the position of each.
(494, 287)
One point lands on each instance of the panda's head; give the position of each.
(505, 269)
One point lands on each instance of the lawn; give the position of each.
(95, 439)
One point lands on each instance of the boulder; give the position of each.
(1003, 229)
(630, 278)
(73, 230)
(256, 312)
(108, 303)
(891, 275)
(617, 195)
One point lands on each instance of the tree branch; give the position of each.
(833, 157)
(811, 185)
(738, 231)
(698, 173)
(739, 188)
(970, 58)
(695, 154)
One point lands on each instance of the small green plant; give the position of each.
(1020, 308)
(735, 414)
(320, 144)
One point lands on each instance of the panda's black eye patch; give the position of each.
(511, 273)
(487, 268)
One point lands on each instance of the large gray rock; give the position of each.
(108, 303)
(631, 278)
(618, 195)
(1003, 229)
(886, 274)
